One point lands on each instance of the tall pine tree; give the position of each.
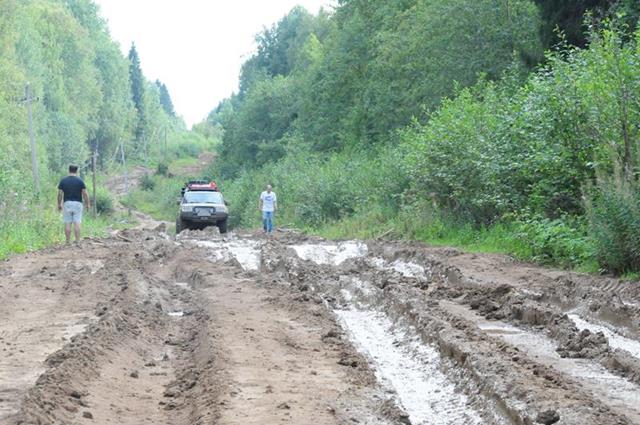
(165, 99)
(137, 90)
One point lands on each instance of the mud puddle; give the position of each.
(409, 368)
(615, 340)
(618, 393)
(403, 364)
(405, 268)
(330, 254)
(245, 251)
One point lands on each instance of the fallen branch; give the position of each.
(119, 236)
(387, 233)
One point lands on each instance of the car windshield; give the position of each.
(203, 197)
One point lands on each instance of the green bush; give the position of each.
(159, 202)
(613, 210)
(104, 202)
(147, 182)
(33, 225)
(162, 169)
(313, 190)
(189, 149)
(559, 241)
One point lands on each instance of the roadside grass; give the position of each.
(43, 229)
(497, 239)
(551, 243)
(37, 225)
(160, 201)
(180, 164)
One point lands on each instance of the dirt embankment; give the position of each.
(142, 328)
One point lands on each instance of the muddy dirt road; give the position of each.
(144, 328)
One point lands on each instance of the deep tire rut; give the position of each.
(144, 329)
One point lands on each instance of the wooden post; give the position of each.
(94, 158)
(165, 144)
(124, 165)
(32, 139)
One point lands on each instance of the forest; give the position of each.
(86, 97)
(507, 126)
(494, 125)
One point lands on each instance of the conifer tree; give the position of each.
(165, 99)
(137, 90)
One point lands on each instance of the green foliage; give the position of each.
(559, 241)
(104, 202)
(147, 182)
(160, 201)
(27, 225)
(564, 21)
(553, 242)
(83, 101)
(351, 79)
(190, 145)
(497, 149)
(162, 169)
(137, 90)
(260, 125)
(613, 209)
(568, 17)
(312, 190)
(165, 99)
(501, 165)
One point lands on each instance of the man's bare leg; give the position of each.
(76, 230)
(67, 231)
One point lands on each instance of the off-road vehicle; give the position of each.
(201, 205)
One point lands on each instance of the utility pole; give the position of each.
(124, 165)
(165, 143)
(126, 175)
(145, 148)
(32, 137)
(94, 160)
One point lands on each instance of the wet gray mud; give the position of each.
(144, 328)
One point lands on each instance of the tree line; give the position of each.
(89, 96)
(418, 112)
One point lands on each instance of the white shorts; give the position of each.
(72, 212)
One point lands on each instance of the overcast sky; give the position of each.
(195, 47)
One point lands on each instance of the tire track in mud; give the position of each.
(123, 366)
(528, 389)
(165, 347)
(39, 314)
(292, 329)
(280, 356)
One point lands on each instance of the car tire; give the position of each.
(222, 226)
(180, 226)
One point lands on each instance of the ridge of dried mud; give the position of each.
(187, 331)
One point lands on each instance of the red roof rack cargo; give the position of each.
(202, 185)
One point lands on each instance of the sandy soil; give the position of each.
(146, 328)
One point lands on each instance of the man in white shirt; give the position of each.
(268, 205)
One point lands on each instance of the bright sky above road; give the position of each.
(195, 47)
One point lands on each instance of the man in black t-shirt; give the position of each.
(72, 190)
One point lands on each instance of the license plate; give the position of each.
(204, 212)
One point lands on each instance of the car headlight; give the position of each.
(186, 208)
(222, 208)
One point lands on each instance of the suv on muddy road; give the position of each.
(201, 205)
